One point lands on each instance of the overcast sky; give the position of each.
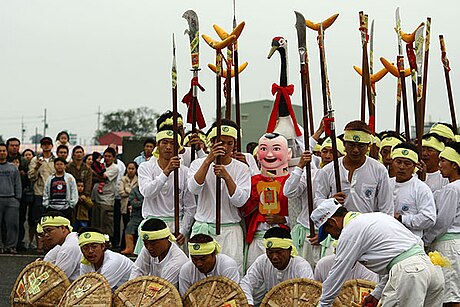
(71, 56)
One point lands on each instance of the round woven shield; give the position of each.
(216, 291)
(354, 291)
(40, 283)
(300, 292)
(90, 289)
(147, 291)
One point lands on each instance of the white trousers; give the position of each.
(451, 250)
(414, 282)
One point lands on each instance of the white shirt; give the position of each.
(206, 205)
(168, 268)
(296, 186)
(224, 266)
(251, 163)
(435, 181)
(115, 268)
(67, 256)
(414, 201)
(186, 156)
(158, 192)
(448, 206)
(368, 191)
(359, 271)
(374, 239)
(263, 272)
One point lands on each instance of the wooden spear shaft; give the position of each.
(176, 141)
(218, 137)
(445, 63)
(237, 94)
(425, 71)
(228, 83)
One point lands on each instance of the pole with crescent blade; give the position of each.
(302, 43)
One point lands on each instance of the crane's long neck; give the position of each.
(283, 110)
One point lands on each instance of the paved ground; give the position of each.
(10, 267)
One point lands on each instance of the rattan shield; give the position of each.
(147, 291)
(216, 291)
(40, 283)
(354, 291)
(90, 289)
(298, 292)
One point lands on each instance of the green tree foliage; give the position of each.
(139, 121)
(35, 139)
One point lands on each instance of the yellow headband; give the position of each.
(169, 122)
(457, 138)
(328, 143)
(165, 134)
(39, 228)
(434, 143)
(390, 141)
(357, 136)
(200, 135)
(156, 235)
(90, 237)
(404, 153)
(317, 148)
(377, 142)
(443, 131)
(450, 154)
(55, 221)
(280, 243)
(224, 130)
(201, 249)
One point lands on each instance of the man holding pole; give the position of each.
(157, 186)
(235, 191)
(364, 181)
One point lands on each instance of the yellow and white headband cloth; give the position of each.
(201, 249)
(404, 153)
(450, 154)
(157, 234)
(224, 130)
(443, 131)
(434, 143)
(390, 141)
(165, 134)
(357, 136)
(169, 122)
(280, 243)
(90, 237)
(54, 221)
(328, 143)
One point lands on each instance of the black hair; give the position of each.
(154, 225)
(342, 211)
(271, 135)
(200, 238)
(4, 145)
(61, 133)
(433, 135)
(53, 213)
(75, 149)
(111, 151)
(407, 145)
(78, 180)
(62, 147)
(358, 125)
(59, 159)
(224, 122)
(277, 232)
(11, 140)
(165, 116)
(390, 133)
(133, 163)
(150, 141)
(28, 149)
(86, 157)
(251, 146)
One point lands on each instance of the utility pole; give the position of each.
(45, 124)
(99, 113)
(35, 139)
(23, 129)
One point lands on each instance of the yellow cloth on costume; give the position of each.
(55, 221)
(157, 235)
(390, 141)
(404, 153)
(328, 143)
(281, 243)
(224, 130)
(357, 136)
(450, 154)
(201, 249)
(165, 134)
(442, 130)
(438, 259)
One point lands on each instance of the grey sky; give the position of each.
(73, 56)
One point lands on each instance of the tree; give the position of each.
(1, 139)
(139, 121)
(35, 139)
